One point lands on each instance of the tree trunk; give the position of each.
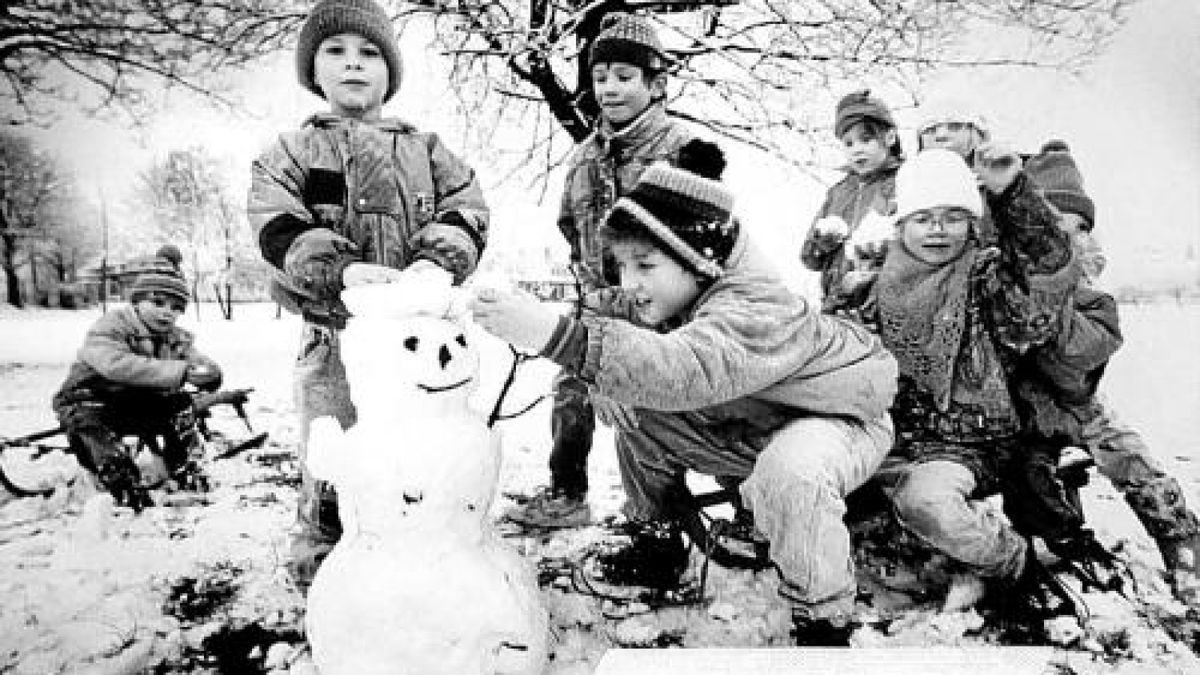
(12, 282)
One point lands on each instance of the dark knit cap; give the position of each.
(161, 276)
(333, 17)
(1054, 172)
(627, 38)
(859, 105)
(686, 208)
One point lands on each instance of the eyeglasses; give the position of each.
(175, 304)
(952, 127)
(950, 218)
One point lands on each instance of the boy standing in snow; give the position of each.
(845, 253)
(1155, 497)
(351, 196)
(628, 70)
(722, 370)
(128, 378)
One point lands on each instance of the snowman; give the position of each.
(419, 581)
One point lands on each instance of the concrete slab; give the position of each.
(813, 661)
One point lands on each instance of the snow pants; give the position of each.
(320, 388)
(795, 485)
(1155, 497)
(932, 500)
(572, 424)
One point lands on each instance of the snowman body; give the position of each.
(419, 581)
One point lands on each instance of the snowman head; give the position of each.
(401, 358)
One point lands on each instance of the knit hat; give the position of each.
(161, 276)
(936, 177)
(627, 38)
(1054, 172)
(948, 110)
(857, 106)
(333, 17)
(686, 208)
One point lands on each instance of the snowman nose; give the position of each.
(444, 356)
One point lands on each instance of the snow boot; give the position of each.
(655, 558)
(812, 632)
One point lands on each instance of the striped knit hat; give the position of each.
(627, 38)
(1054, 172)
(162, 276)
(686, 209)
(333, 17)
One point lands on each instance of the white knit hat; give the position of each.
(947, 109)
(936, 177)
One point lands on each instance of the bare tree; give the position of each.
(36, 197)
(745, 69)
(102, 55)
(190, 203)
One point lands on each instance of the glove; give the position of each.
(203, 376)
(120, 476)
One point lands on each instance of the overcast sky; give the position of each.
(1132, 120)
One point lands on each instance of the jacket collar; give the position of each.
(889, 166)
(327, 120)
(642, 128)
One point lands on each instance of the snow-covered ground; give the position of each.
(197, 586)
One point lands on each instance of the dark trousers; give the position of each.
(95, 426)
(572, 423)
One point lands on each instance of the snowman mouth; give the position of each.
(432, 389)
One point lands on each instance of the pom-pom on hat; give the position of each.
(628, 38)
(333, 17)
(1054, 172)
(687, 209)
(859, 105)
(162, 276)
(936, 177)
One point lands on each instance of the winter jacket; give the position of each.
(849, 199)
(120, 353)
(749, 356)
(1057, 382)
(957, 329)
(340, 191)
(604, 167)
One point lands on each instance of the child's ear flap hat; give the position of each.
(628, 38)
(857, 106)
(333, 17)
(936, 177)
(1054, 173)
(687, 209)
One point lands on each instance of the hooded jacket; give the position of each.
(749, 356)
(120, 353)
(340, 191)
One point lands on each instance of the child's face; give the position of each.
(959, 137)
(159, 311)
(937, 236)
(864, 152)
(353, 75)
(1071, 223)
(623, 91)
(661, 287)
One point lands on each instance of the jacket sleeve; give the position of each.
(816, 249)
(1089, 336)
(1031, 281)
(275, 206)
(459, 231)
(106, 350)
(566, 215)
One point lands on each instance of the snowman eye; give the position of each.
(461, 340)
(411, 344)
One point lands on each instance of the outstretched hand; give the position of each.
(996, 166)
(514, 316)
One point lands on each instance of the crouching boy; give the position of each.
(719, 369)
(128, 378)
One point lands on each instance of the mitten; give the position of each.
(312, 276)
(448, 241)
(203, 376)
(830, 231)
